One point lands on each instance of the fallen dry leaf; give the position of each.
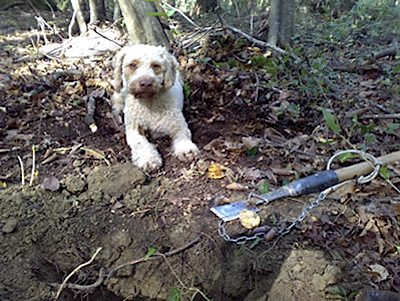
(382, 273)
(216, 171)
(236, 186)
(250, 142)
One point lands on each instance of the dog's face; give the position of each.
(144, 70)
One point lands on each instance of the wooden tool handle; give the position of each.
(364, 168)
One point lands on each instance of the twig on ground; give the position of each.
(7, 150)
(34, 46)
(195, 289)
(98, 282)
(391, 51)
(382, 108)
(33, 165)
(264, 44)
(96, 154)
(202, 34)
(157, 255)
(380, 116)
(21, 165)
(257, 87)
(107, 38)
(42, 24)
(102, 276)
(182, 14)
(360, 69)
(64, 283)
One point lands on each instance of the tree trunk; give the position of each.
(101, 10)
(93, 11)
(204, 6)
(286, 29)
(79, 16)
(281, 22)
(141, 26)
(117, 11)
(97, 11)
(273, 22)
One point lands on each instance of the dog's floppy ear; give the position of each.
(117, 64)
(170, 72)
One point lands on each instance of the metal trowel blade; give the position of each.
(229, 212)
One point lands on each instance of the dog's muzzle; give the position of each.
(143, 88)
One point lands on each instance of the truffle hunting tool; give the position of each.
(324, 182)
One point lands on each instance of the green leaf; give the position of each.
(259, 60)
(150, 252)
(203, 60)
(157, 14)
(263, 187)
(367, 128)
(331, 121)
(170, 12)
(384, 172)
(369, 138)
(174, 295)
(392, 128)
(396, 69)
(252, 152)
(186, 90)
(346, 156)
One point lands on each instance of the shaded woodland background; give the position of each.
(273, 90)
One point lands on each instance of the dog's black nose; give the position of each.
(146, 82)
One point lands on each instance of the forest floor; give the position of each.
(257, 118)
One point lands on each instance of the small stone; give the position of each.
(51, 183)
(118, 205)
(74, 184)
(10, 225)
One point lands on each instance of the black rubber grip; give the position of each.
(314, 183)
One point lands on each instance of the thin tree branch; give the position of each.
(155, 256)
(380, 116)
(64, 283)
(181, 13)
(263, 44)
(98, 282)
(103, 36)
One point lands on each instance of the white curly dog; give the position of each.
(148, 89)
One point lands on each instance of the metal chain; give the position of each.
(237, 240)
(322, 196)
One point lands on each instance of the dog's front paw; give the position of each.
(148, 163)
(186, 150)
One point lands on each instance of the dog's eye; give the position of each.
(156, 67)
(133, 65)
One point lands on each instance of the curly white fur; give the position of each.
(148, 89)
